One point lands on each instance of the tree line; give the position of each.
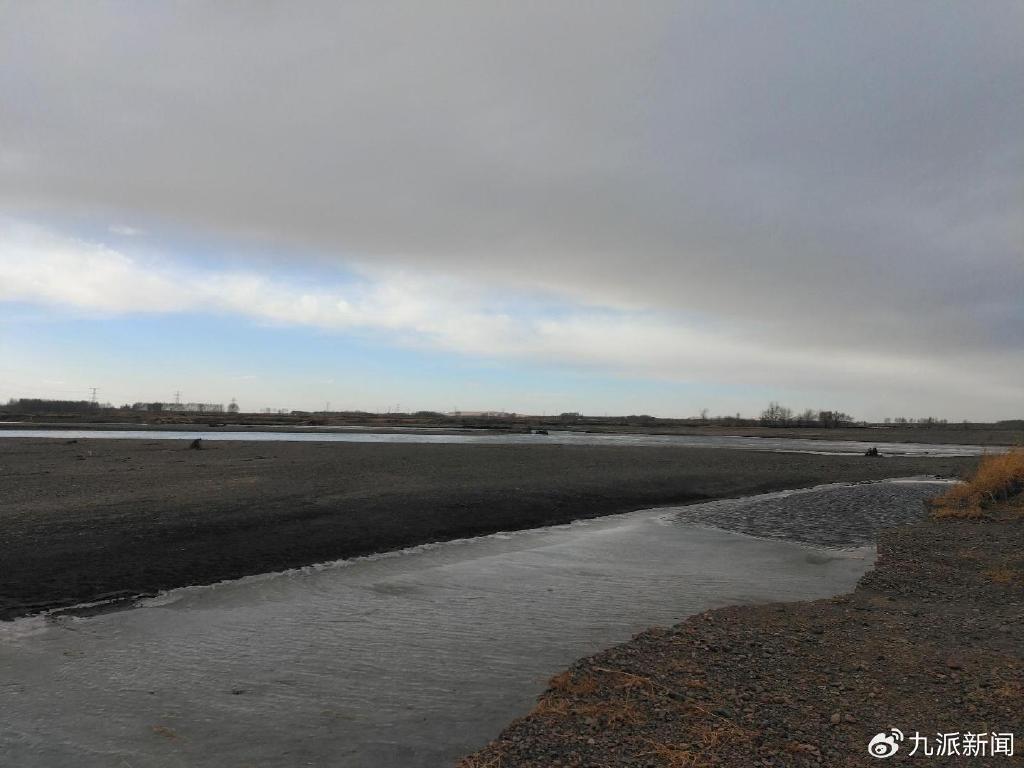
(776, 415)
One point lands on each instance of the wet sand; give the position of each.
(94, 519)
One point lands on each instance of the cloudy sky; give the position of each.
(605, 207)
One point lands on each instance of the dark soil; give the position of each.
(931, 641)
(96, 519)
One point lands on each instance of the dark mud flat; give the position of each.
(931, 641)
(94, 519)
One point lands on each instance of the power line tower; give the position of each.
(93, 390)
(177, 398)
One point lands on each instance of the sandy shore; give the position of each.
(98, 519)
(931, 641)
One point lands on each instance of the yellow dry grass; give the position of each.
(998, 481)
(551, 706)
(473, 761)
(572, 695)
(582, 685)
(706, 741)
(672, 755)
(611, 714)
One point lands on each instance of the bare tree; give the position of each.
(808, 418)
(776, 415)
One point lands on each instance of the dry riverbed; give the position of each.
(95, 519)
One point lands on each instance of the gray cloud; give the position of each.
(806, 175)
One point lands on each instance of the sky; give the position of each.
(537, 207)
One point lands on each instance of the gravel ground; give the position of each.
(826, 516)
(931, 641)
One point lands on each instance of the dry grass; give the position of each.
(611, 699)
(575, 695)
(581, 685)
(473, 761)
(672, 755)
(997, 482)
(705, 745)
(630, 682)
(552, 706)
(610, 714)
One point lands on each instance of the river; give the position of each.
(409, 658)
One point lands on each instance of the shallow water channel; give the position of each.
(405, 659)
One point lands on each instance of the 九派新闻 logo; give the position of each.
(956, 744)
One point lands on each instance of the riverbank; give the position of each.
(931, 641)
(94, 519)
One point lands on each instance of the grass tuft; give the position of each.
(583, 685)
(998, 481)
(671, 755)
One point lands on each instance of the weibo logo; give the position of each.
(885, 745)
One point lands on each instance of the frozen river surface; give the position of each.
(411, 658)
